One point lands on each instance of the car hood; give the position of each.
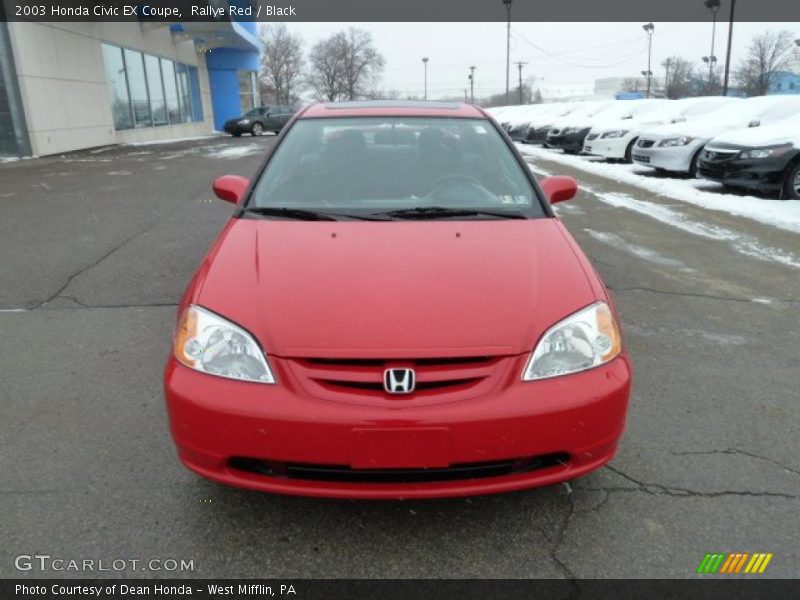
(766, 135)
(398, 289)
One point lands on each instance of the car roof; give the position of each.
(392, 108)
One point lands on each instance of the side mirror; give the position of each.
(231, 188)
(559, 188)
(754, 123)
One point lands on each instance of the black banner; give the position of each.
(396, 11)
(711, 587)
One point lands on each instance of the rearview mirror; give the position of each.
(231, 188)
(559, 188)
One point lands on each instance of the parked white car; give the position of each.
(615, 140)
(676, 147)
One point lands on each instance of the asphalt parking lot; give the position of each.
(96, 248)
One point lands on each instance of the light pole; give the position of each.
(728, 52)
(472, 84)
(520, 64)
(710, 61)
(713, 6)
(425, 64)
(648, 28)
(508, 47)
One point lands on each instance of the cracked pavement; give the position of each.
(95, 260)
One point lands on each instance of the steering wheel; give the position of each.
(445, 182)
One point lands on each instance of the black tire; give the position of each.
(693, 164)
(257, 129)
(629, 151)
(791, 183)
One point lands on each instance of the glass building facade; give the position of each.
(13, 139)
(148, 90)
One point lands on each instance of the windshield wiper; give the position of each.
(303, 214)
(436, 212)
(289, 213)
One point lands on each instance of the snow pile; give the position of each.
(779, 213)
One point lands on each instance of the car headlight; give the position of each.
(675, 141)
(206, 342)
(244, 122)
(587, 339)
(767, 152)
(617, 133)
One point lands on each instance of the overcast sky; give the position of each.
(559, 53)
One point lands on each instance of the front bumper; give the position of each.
(569, 142)
(671, 158)
(612, 148)
(764, 175)
(215, 421)
(234, 127)
(537, 135)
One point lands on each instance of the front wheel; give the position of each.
(791, 183)
(257, 129)
(629, 151)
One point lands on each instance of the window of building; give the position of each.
(194, 85)
(248, 90)
(184, 92)
(118, 86)
(155, 86)
(171, 90)
(147, 90)
(137, 88)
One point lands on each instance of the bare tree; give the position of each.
(362, 64)
(768, 53)
(282, 62)
(326, 65)
(680, 78)
(632, 84)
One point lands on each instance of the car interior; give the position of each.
(455, 164)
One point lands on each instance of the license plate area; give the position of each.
(417, 448)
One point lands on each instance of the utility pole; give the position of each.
(472, 84)
(728, 53)
(666, 78)
(465, 95)
(713, 6)
(425, 62)
(648, 28)
(508, 49)
(520, 64)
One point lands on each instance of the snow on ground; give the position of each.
(175, 140)
(779, 213)
(648, 254)
(741, 243)
(234, 151)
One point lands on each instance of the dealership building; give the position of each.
(73, 85)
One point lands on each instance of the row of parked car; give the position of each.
(744, 143)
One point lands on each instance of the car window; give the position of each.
(394, 163)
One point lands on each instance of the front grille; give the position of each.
(645, 143)
(641, 158)
(344, 473)
(718, 155)
(592, 136)
(361, 380)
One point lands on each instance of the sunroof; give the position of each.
(392, 104)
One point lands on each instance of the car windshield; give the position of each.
(381, 165)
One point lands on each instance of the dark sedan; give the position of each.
(260, 120)
(518, 132)
(770, 169)
(569, 139)
(537, 134)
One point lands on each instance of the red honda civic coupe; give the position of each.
(395, 311)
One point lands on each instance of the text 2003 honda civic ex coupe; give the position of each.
(394, 311)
